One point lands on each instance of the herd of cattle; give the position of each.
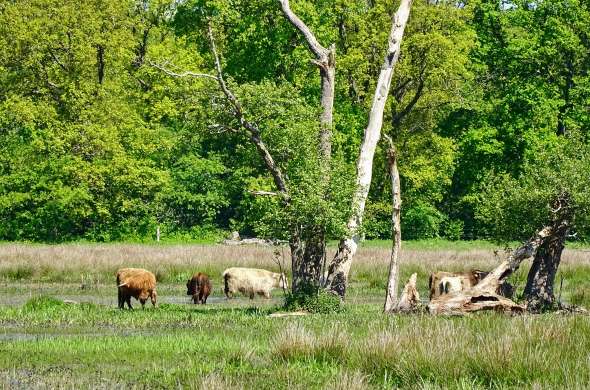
(141, 284)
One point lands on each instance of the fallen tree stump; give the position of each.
(483, 295)
(468, 301)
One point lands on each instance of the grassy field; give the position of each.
(47, 343)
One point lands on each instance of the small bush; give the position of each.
(453, 229)
(313, 300)
(421, 220)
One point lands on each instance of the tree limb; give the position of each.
(320, 52)
(253, 131)
(263, 193)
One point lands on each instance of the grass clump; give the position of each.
(294, 342)
(313, 300)
(43, 302)
(18, 272)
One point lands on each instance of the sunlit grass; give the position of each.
(185, 345)
(45, 342)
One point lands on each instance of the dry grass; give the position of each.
(110, 257)
(350, 380)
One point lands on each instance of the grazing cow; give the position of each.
(441, 283)
(252, 281)
(138, 283)
(199, 286)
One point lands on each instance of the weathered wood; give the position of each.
(506, 268)
(410, 298)
(248, 241)
(392, 281)
(340, 265)
(483, 295)
(463, 302)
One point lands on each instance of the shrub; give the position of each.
(314, 300)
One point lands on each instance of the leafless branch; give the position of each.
(263, 193)
(320, 52)
(251, 128)
(221, 128)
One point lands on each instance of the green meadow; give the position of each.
(86, 342)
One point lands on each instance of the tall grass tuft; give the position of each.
(294, 342)
(350, 380)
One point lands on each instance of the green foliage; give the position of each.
(421, 220)
(97, 144)
(516, 207)
(313, 300)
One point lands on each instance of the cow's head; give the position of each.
(191, 287)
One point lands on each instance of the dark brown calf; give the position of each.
(199, 286)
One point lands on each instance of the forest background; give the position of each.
(489, 109)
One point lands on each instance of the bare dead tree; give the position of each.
(340, 266)
(393, 279)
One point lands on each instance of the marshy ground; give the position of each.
(234, 344)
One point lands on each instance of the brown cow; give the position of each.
(441, 283)
(138, 283)
(199, 286)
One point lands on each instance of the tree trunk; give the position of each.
(340, 265)
(391, 292)
(539, 292)
(307, 257)
(327, 75)
(100, 63)
(307, 262)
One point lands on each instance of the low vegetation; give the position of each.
(47, 341)
(185, 345)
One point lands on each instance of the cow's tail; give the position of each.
(225, 284)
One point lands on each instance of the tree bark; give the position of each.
(307, 257)
(539, 291)
(100, 63)
(392, 282)
(340, 266)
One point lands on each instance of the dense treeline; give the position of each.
(489, 108)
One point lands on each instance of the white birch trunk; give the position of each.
(340, 265)
(393, 280)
